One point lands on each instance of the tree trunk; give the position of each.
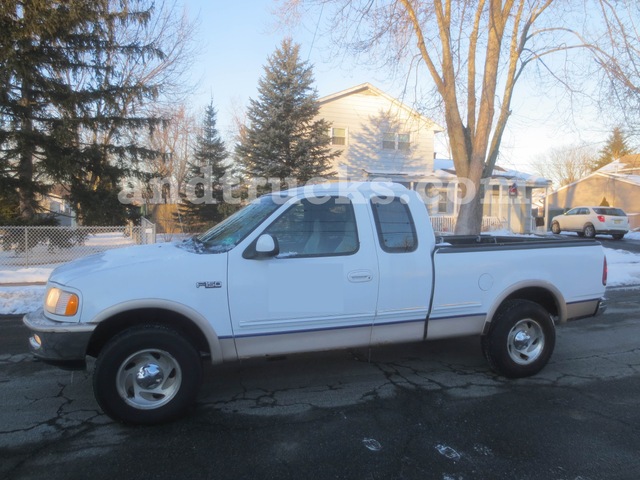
(469, 221)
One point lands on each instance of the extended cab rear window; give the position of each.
(396, 230)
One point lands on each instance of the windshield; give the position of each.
(228, 233)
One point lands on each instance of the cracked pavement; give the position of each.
(418, 411)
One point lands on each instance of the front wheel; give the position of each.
(146, 375)
(555, 228)
(521, 339)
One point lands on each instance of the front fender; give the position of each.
(220, 349)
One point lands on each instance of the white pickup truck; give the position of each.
(316, 268)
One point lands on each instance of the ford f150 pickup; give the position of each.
(315, 268)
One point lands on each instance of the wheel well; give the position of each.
(110, 327)
(539, 295)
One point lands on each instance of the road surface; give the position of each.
(430, 411)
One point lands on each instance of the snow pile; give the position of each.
(27, 275)
(624, 268)
(19, 300)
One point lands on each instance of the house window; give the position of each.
(396, 141)
(338, 136)
(436, 200)
(403, 141)
(389, 141)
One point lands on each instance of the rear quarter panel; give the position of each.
(470, 285)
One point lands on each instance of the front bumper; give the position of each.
(59, 343)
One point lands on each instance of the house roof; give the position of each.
(626, 170)
(364, 87)
(446, 165)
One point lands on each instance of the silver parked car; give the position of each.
(590, 221)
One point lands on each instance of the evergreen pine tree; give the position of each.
(66, 101)
(615, 148)
(202, 203)
(283, 138)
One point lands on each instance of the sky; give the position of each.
(234, 40)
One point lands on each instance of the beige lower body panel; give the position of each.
(582, 309)
(305, 341)
(455, 326)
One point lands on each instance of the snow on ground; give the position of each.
(624, 270)
(19, 300)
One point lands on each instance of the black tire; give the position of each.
(555, 228)
(520, 340)
(618, 236)
(589, 231)
(146, 375)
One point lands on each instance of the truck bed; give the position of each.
(459, 243)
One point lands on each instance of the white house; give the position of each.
(380, 137)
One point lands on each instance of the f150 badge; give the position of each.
(216, 284)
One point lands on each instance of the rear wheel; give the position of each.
(555, 228)
(148, 374)
(589, 231)
(521, 339)
(618, 236)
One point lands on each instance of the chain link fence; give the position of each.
(22, 247)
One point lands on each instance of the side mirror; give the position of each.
(264, 247)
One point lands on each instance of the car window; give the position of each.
(573, 211)
(309, 228)
(396, 230)
(614, 212)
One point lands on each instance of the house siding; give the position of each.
(367, 116)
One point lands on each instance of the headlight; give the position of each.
(60, 302)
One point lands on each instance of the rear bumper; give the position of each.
(602, 306)
(586, 309)
(59, 343)
(612, 231)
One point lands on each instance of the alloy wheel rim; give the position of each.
(149, 379)
(525, 342)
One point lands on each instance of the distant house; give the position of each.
(380, 137)
(56, 203)
(510, 199)
(616, 184)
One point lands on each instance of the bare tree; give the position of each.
(566, 165)
(475, 52)
(175, 143)
(616, 50)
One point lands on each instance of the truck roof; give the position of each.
(344, 188)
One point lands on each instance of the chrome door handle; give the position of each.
(359, 276)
